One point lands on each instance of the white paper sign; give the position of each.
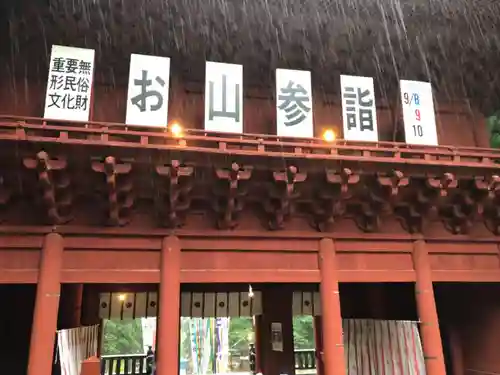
(277, 336)
(69, 85)
(418, 113)
(294, 105)
(224, 97)
(359, 112)
(148, 84)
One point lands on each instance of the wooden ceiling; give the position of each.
(454, 43)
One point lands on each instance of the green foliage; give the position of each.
(240, 335)
(125, 337)
(493, 125)
(303, 332)
(122, 337)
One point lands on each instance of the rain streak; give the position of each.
(454, 44)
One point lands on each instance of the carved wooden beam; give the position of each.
(457, 205)
(230, 198)
(443, 183)
(369, 211)
(490, 185)
(343, 178)
(433, 198)
(368, 219)
(411, 209)
(119, 189)
(490, 205)
(331, 203)
(54, 184)
(410, 216)
(492, 218)
(381, 195)
(280, 203)
(5, 192)
(393, 182)
(461, 211)
(5, 195)
(175, 195)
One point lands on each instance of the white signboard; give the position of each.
(148, 84)
(224, 97)
(418, 113)
(69, 85)
(359, 112)
(277, 336)
(294, 105)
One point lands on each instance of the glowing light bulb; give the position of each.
(329, 135)
(176, 130)
(122, 297)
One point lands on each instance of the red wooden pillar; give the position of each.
(333, 344)
(276, 308)
(43, 330)
(257, 327)
(91, 366)
(78, 303)
(167, 355)
(318, 343)
(426, 306)
(70, 306)
(457, 355)
(100, 338)
(376, 299)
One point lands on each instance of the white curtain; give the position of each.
(382, 347)
(74, 346)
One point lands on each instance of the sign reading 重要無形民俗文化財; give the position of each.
(359, 112)
(148, 86)
(224, 97)
(294, 103)
(69, 84)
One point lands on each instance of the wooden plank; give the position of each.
(109, 276)
(111, 243)
(204, 260)
(210, 304)
(249, 276)
(250, 244)
(186, 304)
(221, 305)
(465, 262)
(456, 247)
(234, 304)
(367, 276)
(381, 246)
(21, 241)
(26, 259)
(197, 300)
(152, 306)
(112, 260)
(466, 276)
(18, 276)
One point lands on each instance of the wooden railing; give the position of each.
(127, 364)
(135, 364)
(305, 359)
(16, 128)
